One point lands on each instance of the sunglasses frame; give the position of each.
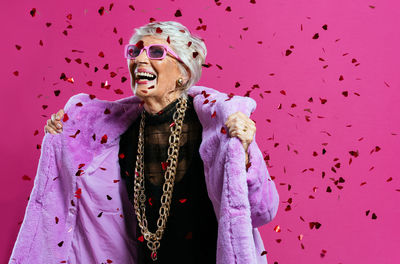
(165, 47)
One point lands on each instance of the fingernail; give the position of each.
(59, 125)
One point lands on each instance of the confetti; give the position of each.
(26, 178)
(103, 139)
(33, 12)
(178, 13)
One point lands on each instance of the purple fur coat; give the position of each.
(79, 210)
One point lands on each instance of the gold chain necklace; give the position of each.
(153, 239)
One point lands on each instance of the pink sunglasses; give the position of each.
(154, 51)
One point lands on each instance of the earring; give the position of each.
(179, 82)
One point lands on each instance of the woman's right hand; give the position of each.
(54, 125)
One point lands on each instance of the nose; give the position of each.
(142, 58)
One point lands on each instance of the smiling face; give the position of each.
(154, 81)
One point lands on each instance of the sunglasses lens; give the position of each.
(156, 52)
(133, 51)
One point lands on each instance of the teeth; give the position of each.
(145, 74)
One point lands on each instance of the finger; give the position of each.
(50, 130)
(53, 118)
(60, 114)
(51, 125)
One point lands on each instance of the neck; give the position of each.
(155, 105)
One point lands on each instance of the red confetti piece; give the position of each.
(118, 91)
(219, 67)
(214, 114)
(325, 27)
(101, 10)
(103, 139)
(56, 219)
(150, 202)
(172, 124)
(288, 52)
(18, 47)
(116, 181)
(48, 24)
(323, 252)
(111, 6)
(283, 92)
(341, 78)
(152, 19)
(123, 79)
(26, 178)
(109, 197)
(195, 54)
(100, 214)
(164, 165)
(60, 244)
(277, 229)
(101, 54)
(36, 132)
(121, 155)
(109, 261)
(168, 40)
(317, 225)
(107, 111)
(253, 1)
(57, 92)
(223, 131)
(374, 216)
(141, 238)
(189, 43)
(79, 104)
(92, 96)
(183, 200)
(131, 7)
(33, 12)
(263, 253)
(178, 13)
(76, 133)
(16, 73)
(159, 30)
(38, 146)
(228, 9)
(316, 36)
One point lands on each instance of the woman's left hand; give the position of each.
(241, 126)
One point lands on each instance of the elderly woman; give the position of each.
(170, 175)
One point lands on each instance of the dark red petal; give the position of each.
(26, 178)
(103, 139)
(178, 13)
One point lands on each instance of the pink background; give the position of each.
(249, 43)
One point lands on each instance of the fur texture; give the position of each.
(79, 212)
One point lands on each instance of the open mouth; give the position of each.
(145, 76)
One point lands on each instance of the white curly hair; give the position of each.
(190, 48)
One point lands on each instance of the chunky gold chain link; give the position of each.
(153, 239)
